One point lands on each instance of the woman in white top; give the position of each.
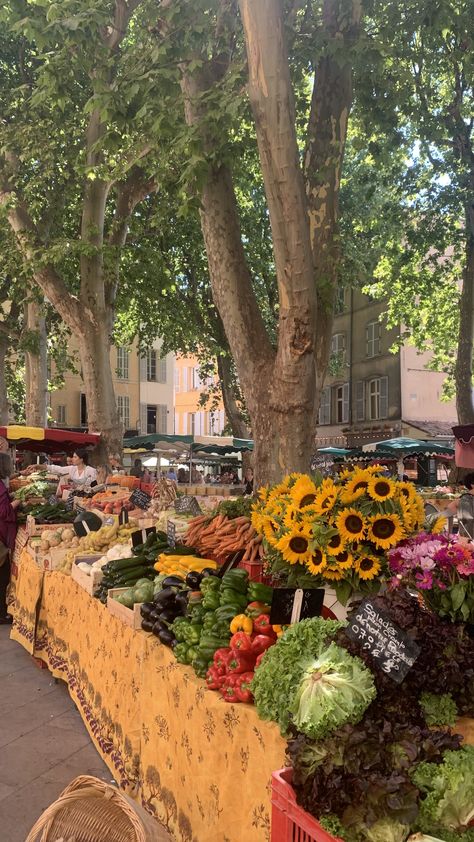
(79, 474)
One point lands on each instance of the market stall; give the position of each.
(47, 439)
(166, 636)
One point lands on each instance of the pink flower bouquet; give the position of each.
(441, 568)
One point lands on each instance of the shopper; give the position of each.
(248, 484)
(137, 470)
(7, 533)
(80, 474)
(172, 475)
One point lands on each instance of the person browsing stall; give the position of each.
(80, 474)
(8, 528)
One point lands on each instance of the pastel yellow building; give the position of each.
(191, 418)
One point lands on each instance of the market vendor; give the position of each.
(80, 474)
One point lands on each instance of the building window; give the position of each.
(378, 398)
(61, 414)
(196, 379)
(83, 411)
(176, 380)
(162, 418)
(325, 406)
(341, 395)
(372, 333)
(191, 423)
(122, 363)
(340, 301)
(151, 365)
(338, 352)
(151, 419)
(123, 409)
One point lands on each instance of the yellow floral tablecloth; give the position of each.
(25, 598)
(200, 765)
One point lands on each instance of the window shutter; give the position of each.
(221, 420)
(345, 403)
(143, 369)
(198, 424)
(185, 378)
(384, 397)
(185, 423)
(325, 406)
(360, 400)
(161, 418)
(161, 370)
(143, 416)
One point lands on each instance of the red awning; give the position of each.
(47, 440)
(464, 433)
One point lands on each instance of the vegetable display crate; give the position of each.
(129, 616)
(35, 530)
(48, 559)
(88, 581)
(255, 569)
(290, 823)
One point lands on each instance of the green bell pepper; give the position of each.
(210, 583)
(180, 628)
(197, 614)
(209, 620)
(229, 596)
(192, 633)
(237, 579)
(181, 653)
(260, 593)
(211, 601)
(200, 664)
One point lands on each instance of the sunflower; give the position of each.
(270, 530)
(317, 562)
(385, 530)
(367, 566)
(381, 488)
(351, 525)
(335, 544)
(345, 474)
(332, 572)
(304, 492)
(439, 525)
(263, 493)
(344, 560)
(325, 501)
(294, 545)
(291, 516)
(356, 486)
(407, 490)
(374, 469)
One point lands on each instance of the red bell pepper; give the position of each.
(259, 659)
(241, 642)
(221, 656)
(262, 625)
(229, 690)
(261, 643)
(242, 687)
(214, 679)
(254, 609)
(240, 662)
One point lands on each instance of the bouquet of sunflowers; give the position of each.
(337, 531)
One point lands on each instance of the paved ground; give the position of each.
(43, 742)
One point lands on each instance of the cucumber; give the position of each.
(122, 564)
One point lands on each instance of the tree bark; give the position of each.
(102, 417)
(4, 405)
(36, 366)
(464, 366)
(232, 410)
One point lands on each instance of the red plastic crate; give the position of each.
(255, 570)
(290, 823)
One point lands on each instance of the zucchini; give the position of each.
(121, 564)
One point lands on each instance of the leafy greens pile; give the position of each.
(307, 676)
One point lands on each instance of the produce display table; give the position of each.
(200, 765)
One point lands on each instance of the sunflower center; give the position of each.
(335, 541)
(298, 544)
(307, 500)
(317, 557)
(354, 524)
(383, 528)
(342, 557)
(361, 484)
(366, 564)
(382, 488)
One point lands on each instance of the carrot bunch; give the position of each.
(221, 536)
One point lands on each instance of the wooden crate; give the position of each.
(89, 582)
(48, 559)
(35, 530)
(130, 616)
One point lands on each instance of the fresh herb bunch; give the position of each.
(240, 507)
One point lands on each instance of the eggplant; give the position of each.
(209, 571)
(172, 582)
(147, 625)
(169, 615)
(164, 597)
(193, 580)
(181, 601)
(146, 609)
(166, 637)
(155, 614)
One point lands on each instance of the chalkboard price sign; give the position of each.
(69, 503)
(140, 499)
(187, 506)
(140, 536)
(171, 533)
(290, 605)
(393, 652)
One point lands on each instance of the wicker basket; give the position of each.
(89, 810)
